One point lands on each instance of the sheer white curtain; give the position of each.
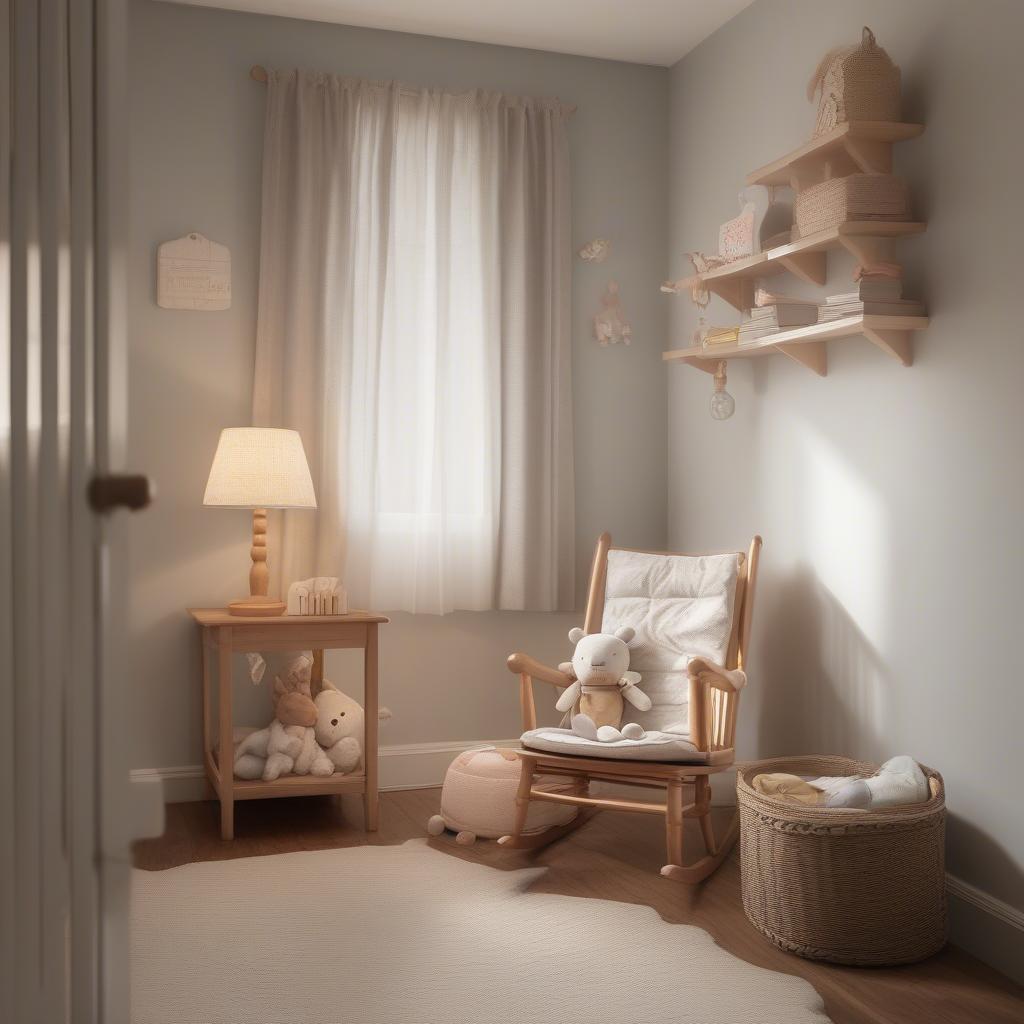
(414, 326)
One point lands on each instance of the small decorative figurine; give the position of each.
(596, 251)
(609, 326)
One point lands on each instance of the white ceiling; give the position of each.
(641, 31)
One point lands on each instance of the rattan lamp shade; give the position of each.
(260, 467)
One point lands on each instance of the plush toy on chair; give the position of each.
(603, 682)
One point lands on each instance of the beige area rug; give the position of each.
(410, 935)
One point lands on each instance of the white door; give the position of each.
(66, 810)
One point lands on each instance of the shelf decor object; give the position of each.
(855, 83)
(855, 197)
(259, 468)
(723, 405)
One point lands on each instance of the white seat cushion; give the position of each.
(655, 746)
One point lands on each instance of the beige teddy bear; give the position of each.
(602, 683)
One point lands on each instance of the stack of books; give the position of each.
(717, 336)
(781, 315)
(878, 297)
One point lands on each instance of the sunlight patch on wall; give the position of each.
(846, 538)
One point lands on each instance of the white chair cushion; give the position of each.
(655, 746)
(681, 607)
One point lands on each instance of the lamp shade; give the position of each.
(260, 467)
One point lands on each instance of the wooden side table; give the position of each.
(222, 635)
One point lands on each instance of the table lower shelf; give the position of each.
(287, 785)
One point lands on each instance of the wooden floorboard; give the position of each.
(613, 857)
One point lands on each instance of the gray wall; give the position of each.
(196, 131)
(889, 498)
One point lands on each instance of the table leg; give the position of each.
(316, 673)
(209, 790)
(225, 759)
(370, 701)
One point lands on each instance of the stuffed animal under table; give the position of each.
(479, 798)
(288, 745)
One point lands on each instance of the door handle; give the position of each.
(120, 490)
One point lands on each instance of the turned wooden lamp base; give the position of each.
(257, 603)
(257, 606)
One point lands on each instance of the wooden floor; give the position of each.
(616, 857)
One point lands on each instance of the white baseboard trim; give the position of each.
(402, 766)
(986, 927)
(1001, 911)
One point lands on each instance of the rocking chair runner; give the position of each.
(712, 689)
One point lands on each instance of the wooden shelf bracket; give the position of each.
(893, 343)
(737, 291)
(813, 355)
(811, 267)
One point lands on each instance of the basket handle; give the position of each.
(867, 38)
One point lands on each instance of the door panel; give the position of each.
(66, 813)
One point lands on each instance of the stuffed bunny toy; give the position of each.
(602, 682)
(288, 745)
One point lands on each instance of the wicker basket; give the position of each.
(856, 83)
(855, 197)
(840, 884)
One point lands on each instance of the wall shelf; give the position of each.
(851, 148)
(868, 241)
(807, 345)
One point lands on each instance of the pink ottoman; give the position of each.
(479, 798)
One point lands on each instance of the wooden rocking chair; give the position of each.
(714, 693)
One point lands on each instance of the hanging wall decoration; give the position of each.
(723, 405)
(596, 251)
(609, 326)
(193, 272)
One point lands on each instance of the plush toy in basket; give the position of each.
(479, 798)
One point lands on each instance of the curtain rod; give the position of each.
(258, 73)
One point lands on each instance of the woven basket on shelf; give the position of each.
(840, 884)
(855, 197)
(857, 83)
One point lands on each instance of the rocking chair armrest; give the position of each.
(714, 696)
(731, 679)
(524, 665)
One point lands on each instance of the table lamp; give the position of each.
(259, 468)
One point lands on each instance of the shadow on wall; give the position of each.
(830, 687)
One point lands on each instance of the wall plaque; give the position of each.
(193, 273)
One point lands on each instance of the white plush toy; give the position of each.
(899, 781)
(288, 745)
(339, 726)
(600, 668)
